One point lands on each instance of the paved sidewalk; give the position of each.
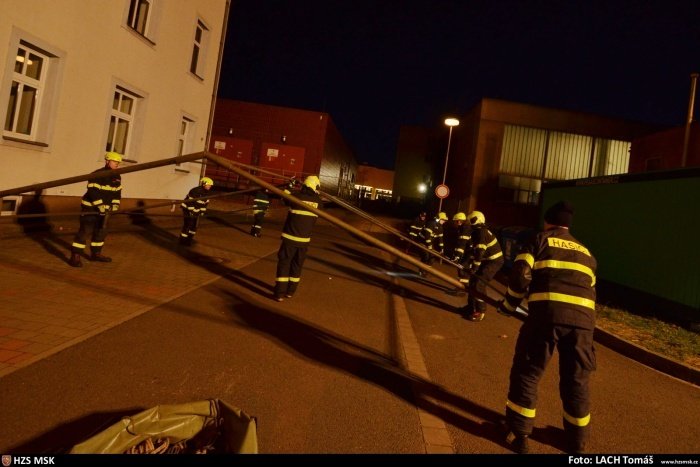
(46, 305)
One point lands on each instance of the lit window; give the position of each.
(26, 91)
(140, 16)
(121, 120)
(201, 38)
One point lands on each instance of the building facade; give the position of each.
(664, 150)
(79, 78)
(503, 152)
(282, 140)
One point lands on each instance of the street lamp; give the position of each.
(450, 122)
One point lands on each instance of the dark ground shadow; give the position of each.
(62, 438)
(370, 365)
(384, 281)
(164, 239)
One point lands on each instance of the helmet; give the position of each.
(460, 216)
(312, 182)
(113, 156)
(206, 181)
(476, 217)
(442, 216)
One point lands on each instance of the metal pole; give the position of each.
(333, 220)
(447, 156)
(689, 120)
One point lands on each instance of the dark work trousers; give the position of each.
(258, 218)
(533, 350)
(290, 260)
(189, 227)
(94, 224)
(426, 257)
(479, 283)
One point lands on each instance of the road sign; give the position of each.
(442, 191)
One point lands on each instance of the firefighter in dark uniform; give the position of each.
(556, 273)
(463, 240)
(296, 235)
(260, 205)
(103, 195)
(192, 208)
(416, 227)
(432, 237)
(483, 260)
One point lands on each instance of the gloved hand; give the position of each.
(501, 309)
(103, 208)
(115, 207)
(455, 259)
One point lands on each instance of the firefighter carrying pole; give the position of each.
(333, 220)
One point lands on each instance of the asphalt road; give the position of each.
(366, 358)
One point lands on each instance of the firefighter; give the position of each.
(432, 237)
(192, 208)
(556, 273)
(260, 205)
(103, 195)
(296, 235)
(463, 239)
(484, 259)
(416, 226)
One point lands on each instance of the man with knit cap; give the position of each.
(556, 273)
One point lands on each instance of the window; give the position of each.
(26, 91)
(121, 120)
(140, 16)
(183, 140)
(201, 38)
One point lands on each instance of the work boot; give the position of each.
(477, 316)
(518, 443)
(279, 298)
(75, 260)
(101, 258)
(288, 295)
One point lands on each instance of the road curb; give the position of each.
(647, 357)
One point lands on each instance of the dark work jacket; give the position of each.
(300, 222)
(432, 235)
(105, 188)
(557, 274)
(192, 206)
(484, 245)
(261, 202)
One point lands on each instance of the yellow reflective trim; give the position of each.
(296, 239)
(116, 201)
(560, 297)
(566, 265)
(104, 187)
(464, 281)
(97, 243)
(529, 413)
(282, 279)
(303, 213)
(78, 245)
(497, 255)
(261, 201)
(583, 421)
(492, 243)
(527, 257)
(567, 245)
(512, 293)
(508, 306)
(294, 279)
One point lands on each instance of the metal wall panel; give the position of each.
(523, 151)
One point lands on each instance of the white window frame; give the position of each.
(184, 140)
(47, 86)
(135, 15)
(200, 46)
(118, 116)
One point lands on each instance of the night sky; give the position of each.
(375, 65)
